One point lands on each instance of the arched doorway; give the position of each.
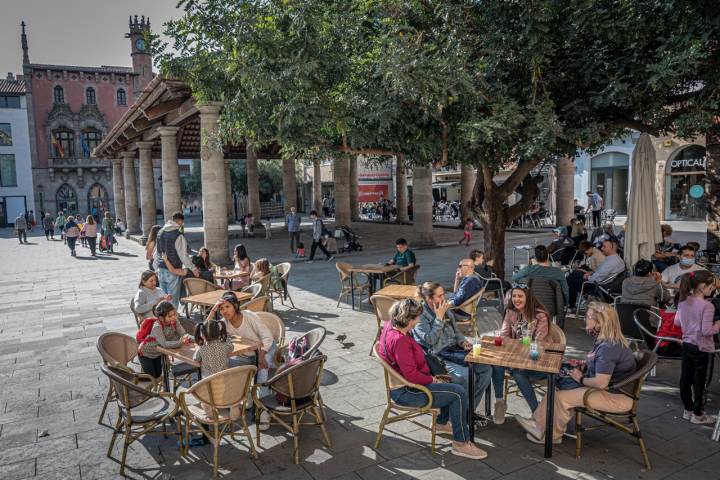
(97, 201)
(66, 199)
(685, 184)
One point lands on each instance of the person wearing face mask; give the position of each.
(610, 360)
(695, 317)
(671, 275)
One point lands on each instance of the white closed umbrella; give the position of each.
(551, 200)
(642, 230)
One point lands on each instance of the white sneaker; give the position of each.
(703, 419)
(500, 409)
(264, 421)
(541, 441)
(529, 425)
(687, 414)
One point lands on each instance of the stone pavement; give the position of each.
(53, 308)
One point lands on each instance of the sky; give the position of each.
(75, 32)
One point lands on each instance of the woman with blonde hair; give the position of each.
(610, 361)
(90, 229)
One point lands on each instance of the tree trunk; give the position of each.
(317, 187)
(253, 184)
(353, 174)
(401, 197)
(289, 184)
(712, 169)
(422, 206)
(565, 192)
(467, 184)
(341, 178)
(493, 222)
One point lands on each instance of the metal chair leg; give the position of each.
(107, 400)
(578, 434)
(383, 422)
(637, 433)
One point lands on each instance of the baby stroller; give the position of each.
(352, 243)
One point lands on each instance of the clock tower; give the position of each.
(141, 57)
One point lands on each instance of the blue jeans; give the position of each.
(459, 370)
(523, 379)
(450, 398)
(170, 283)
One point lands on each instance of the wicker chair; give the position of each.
(258, 304)
(469, 308)
(277, 327)
(315, 338)
(381, 304)
(264, 283)
(138, 317)
(284, 271)
(255, 289)
(625, 421)
(359, 284)
(300, 385)
(196, 286)
(224, 395)
(399, 413)
(140, 411)
(403, 277)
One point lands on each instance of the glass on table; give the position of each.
(534, 351)
(476, 346)
(498, 338)
(526, 336)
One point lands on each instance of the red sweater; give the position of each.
(405, 355)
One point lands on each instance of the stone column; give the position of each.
(467, 184)
(131, 197)
(147, 188)
(565, 191)
(341, 178)
(354, 187)
(289, 184)
(401, 197)
(170, 171)
(253, 180)
(228, 186)
(118, 188)
(317, 187)
(214, 186)
(422, 206)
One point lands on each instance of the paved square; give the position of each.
(53, 308)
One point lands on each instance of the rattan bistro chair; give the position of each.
(397, 413)
(381, 304)
(314, 337)
(360, 283)
(140, 411)
(624, 421)
(299, 384)
(277, 327)
(403, 277)
(283, 293)
(469, 308)
(138, 317)
(224, 395)
(258, 304)
(196, 286)
(255, 289)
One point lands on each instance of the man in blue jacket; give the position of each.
(292, 220)
(467, 284)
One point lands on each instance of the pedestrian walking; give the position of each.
(49, 227)
(292, 222)
(72, 232)
(60, 222)
(171, 248)
(467, 232)
(595, 204)
(21, 228)
(318, 228)
(150, 246)
(108, 232)
(91, 231)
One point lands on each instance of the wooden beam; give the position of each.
(160, 110)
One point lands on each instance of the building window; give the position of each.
(8, 177)
(5, 135)
(63, 143)
(90, 140)
(90, 96)
(9, 101)
(59, 94)
(121, 97)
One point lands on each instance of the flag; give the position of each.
(58, 148)
(85, 147)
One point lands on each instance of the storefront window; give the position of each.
(609, 178)
(685, 185)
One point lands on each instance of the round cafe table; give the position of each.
(225, 275)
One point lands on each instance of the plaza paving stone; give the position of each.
(53, 308)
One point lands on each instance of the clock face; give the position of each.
(140, 44)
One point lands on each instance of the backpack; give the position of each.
(295, 351)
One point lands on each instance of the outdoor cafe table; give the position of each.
(208, 299)
(374, 271)
(221, 276)
(398, 292)
(513, 354)
(186, 353)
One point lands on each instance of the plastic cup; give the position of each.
(476, 349)
(526, 340)
(498, 339)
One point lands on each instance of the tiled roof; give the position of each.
(100, 69)
(12, 87)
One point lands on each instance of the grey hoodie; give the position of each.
(643, 290)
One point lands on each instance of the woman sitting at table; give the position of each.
(263, 268)
(436, 332)
(204, 254)
(163, 331)
(610, 361)
(148, 294)
(203, 271)
(524, 312)
(242, 265)
(398, 348)
(246, 324)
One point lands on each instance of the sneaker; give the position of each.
(702, 419)
(308, 261)
(687, 414)
(500, 409)
(440, 428)
(264, 421)
(529, 425)
(468, 450)
(541, 441)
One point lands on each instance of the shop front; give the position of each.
(686, 185)
(609, 175)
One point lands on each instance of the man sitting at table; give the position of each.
(543, 269)
(467, 284)
(560, 240)
(609, 269)
(671, 275)
(404, 257)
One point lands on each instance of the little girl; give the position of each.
(214, 348)
(695, 317)
(467, 232)
(164, 331)
(148, 294)
(300, 250)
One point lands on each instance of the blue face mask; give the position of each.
(687, 262)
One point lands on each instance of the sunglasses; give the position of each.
(461, 265)
(521, 286)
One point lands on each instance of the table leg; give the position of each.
(488, 394)
(471, 409)
(549, 415)
(166, 372)
(352, 291)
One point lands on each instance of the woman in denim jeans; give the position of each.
(404, 354)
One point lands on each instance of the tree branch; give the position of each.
(529, 193)
(518, 175)
(344, 148)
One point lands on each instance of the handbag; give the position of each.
(435, 364)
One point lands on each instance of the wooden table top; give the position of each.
(186, 352)
(513, 354)
(229, 274)
(211, 298)
(399, 292)
(374, 268)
